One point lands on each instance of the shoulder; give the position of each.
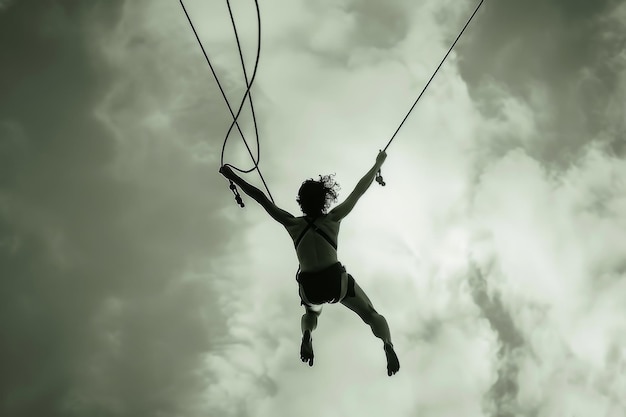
(292, 221)
(332, 218)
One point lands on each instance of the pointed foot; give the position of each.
(306, 348)
(393, 364)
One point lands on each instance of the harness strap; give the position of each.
(319, 231)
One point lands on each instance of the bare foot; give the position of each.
(306, 348)
(393, 364)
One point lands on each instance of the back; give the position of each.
(314, 251)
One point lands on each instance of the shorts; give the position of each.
(324, 286)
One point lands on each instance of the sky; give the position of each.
(131, 284)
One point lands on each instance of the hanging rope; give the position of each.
(435, 73)
(248, 92)
(379, 177)
(247, 95)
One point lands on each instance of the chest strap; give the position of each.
(319, 231)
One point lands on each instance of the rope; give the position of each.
(435, 73)
(248, 92)
(246, 95)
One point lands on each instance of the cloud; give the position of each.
(133, 285)
(555, 280)
(4, 4)
(108, 221)
(565, 53)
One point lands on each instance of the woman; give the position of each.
(321, 278)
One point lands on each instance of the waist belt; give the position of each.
(331, 271)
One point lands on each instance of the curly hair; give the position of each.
(315, 197)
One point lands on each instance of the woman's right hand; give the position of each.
(380, 158)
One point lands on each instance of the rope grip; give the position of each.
(238, 199)
(379, 178)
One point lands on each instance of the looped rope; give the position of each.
(238, 199)
(247, 94)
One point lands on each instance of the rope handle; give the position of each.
(379, 179)
(238, 199)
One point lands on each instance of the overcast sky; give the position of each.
(131, 284)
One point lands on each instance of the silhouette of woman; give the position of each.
(322, 278)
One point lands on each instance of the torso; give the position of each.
(314, 252)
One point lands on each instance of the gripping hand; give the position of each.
(227, 172)
(380, 158)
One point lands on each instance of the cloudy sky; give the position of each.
(131, 284)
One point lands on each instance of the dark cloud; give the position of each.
(380, 25)
(564, 51)
(96, 317)
(501, 399)
(45, 85)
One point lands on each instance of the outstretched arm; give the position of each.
(364, 183)
(278, 214)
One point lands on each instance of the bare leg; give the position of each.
(362, 305)
(309, 321)
(308, 324)
(380, 328)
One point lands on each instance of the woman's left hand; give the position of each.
(226, 171)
